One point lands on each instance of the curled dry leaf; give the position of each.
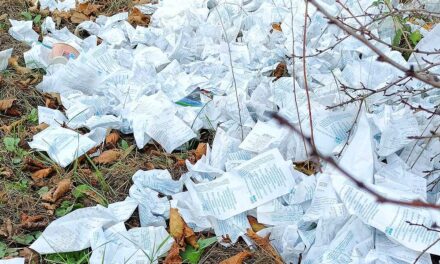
(30, 218)
(30, 255)
(13, 61)
(57, 192)
(59, 16)
(88, 8)
(279, 71)
(254, 223)
(237, 259)
(33, 165)
(39, 128)
(6, 104)
(173, 256)
(264, 244)
(276, 26)
(40, 174)
(78, 17)
(200, 150)
(62, 188)
(138, 18)
(180, 231)
(112, 139)
(6, 172)
(107, 157)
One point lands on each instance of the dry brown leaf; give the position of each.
(78, 17)
(141, 2)
(3, 17)
(30, 218)
(39, 128)
(40, 174)
(149, 166)
(237, 259)
(173, 256)
(62, 188)
(30, 255)
(13, 111)
(6, 172)
(35, 222)
(276, 26)
(5, 104)
(108, 156)
(180, 231)
(136, 17)
(9, 128)
(59, 16)
(200, 150)
(13, 61)
(112, 139)
(264, 244)
(9, 227)
(33, 165)
(49, 206)
(254, 224)
(279, 71)
(88, 8)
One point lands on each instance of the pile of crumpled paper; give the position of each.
(209, 64)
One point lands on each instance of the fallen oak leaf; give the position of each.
(254, 224)
(43, 173)
(264, 244)
(107, 157)
(238, 258)
(173, 256)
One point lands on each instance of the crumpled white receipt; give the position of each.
(61, 144)
(22, 31)
(73, 231)
(137, 245)
(12, 261)
(4, 58)
(251, 184)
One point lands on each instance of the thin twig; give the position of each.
(232, 72)
(306, 85)
(427, 78)
(379, 197)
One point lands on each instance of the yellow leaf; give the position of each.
(254, 224)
